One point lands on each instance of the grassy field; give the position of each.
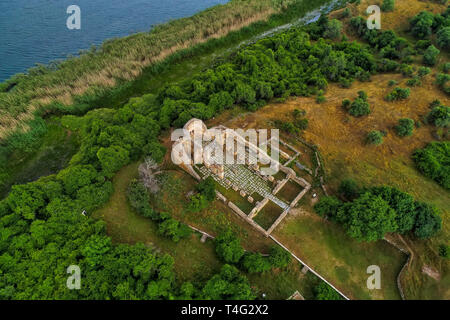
(340, 259)
(268, 215)
(196, 261)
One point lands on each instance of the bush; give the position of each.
(444, 251)
(421, 25)
(414, 82)
(443, 38)
(359, 107)
(375, 138)
(278, 257)
(439, 116)
(328, 206)
(255, 263)
(423, 71)
(430, 55)
(324, 292)
(207, 188)
(428, 221)
(446, 67)
(433, 162)
(398, 94)
(405, 127)
(333, 29)
(388, 5)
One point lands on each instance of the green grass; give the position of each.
(289, 192)
(234, 196)
(341, 260)
(268, 215)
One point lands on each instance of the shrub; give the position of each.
(328, 206)
(428, 221)
(405, 127)
(255, 263)
(388, 5)
(398, 94)
(421, 24)
(375, 138)
(446, 67)
(359, 107)
(444, 251)
(414, 82)
(392, 83)
(430, 55)
(423, 71)
(333, 29)
(324, 292)
(433, 162)
(278, 257)
(207, 188)
(439, 116)
(443, 38)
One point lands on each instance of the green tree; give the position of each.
(328, 206)
(112, 159)
(278, 257)
(75, 177)
(443, 38)
(228, 247)
(430, 55)
(255, 263)
(229, 284)
(207, 188)
(428, 221)
(367, 218)
(421, 25)
(324, 292)
(333, 29)
(95, 248)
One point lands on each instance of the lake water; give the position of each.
(35, 31)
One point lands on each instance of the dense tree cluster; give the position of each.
(229, 249)
(426, 23)
(433, 162)
(371, 213)
(286, 64)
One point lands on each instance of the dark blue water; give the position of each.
(35, 31)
